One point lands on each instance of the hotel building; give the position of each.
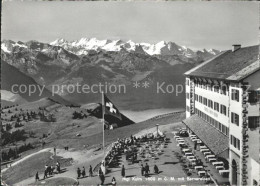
(222, 109)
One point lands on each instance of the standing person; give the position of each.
(101, 176)
(113, 181)
(156, 169)
(78, 172)
(54, 150)
(142, 169)
(123, 171)
(58, 166)
(83, 172)
(90, 171)
(37, 177)
(147, 170)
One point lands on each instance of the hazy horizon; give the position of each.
(196, 25)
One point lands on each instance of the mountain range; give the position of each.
(90, 61)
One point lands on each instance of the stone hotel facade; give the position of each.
(222, 109)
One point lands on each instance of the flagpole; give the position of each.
(103, 118)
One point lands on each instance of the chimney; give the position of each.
(236, 47)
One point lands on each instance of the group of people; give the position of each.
(48, 171)
(82, 173)
(145, 170)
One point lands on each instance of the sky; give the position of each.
(196, 25)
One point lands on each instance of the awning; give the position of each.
(211, 137)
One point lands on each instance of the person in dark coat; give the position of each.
(156, 169)
(78, 172)
(37, 177)
(90, 171)
(147, 170)
(101, 176)
(123, 171)
(83, 172)
(142, 170)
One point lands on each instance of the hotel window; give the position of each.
(223, 110)
(238, 144)
(223, 130)
(216, 88)
(219, 126)
(187, 95)
(234, 141)
(216, 106)
(200, 99)
(227, 131)
(235, 95)
(224, 89)
(210, 103)
(253, 122)
(235, 118)
(216, 124)
(205, 101)
(209, 87)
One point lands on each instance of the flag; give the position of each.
(110, 108)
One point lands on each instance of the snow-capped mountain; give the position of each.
(84, 45)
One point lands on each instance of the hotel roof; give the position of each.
(211, 137)
(229, 65)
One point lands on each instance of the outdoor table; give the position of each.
(206, 153)
(188, 154)
(212, 160)
(198, 167)
(186, 150)
(222, 172)
(218, 163)
(204, 150)
(203, 147)
(202, 173)
(181, 143)
(190, 157)
(179, 139)
(199, 141)
(175, 137)
(194, 139)
(219, 167)
(192, 160)
(210, 156)
(192, 135)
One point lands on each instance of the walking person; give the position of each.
(45, 172)
(147, 170)
(123, 171)
(83, 172)
(90, 171)
(37, 177)
(78, 172)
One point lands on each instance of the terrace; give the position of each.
(200, 158)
